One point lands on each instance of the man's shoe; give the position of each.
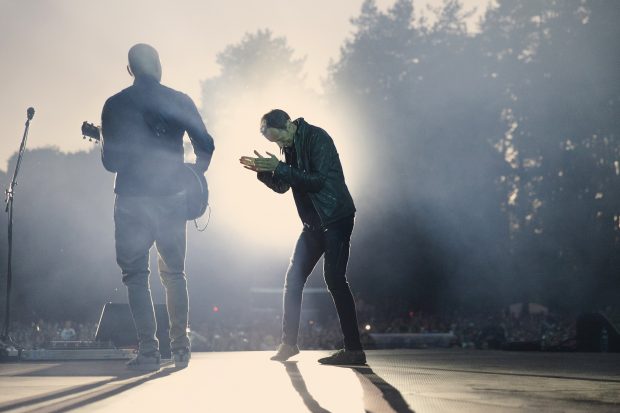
(149, 361)
(181, 357)
(285, 351)
(345, 358)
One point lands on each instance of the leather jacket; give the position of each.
(316, 173)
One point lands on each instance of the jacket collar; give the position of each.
(302, 127)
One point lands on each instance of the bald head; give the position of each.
(144, 61)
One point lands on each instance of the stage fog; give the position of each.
(484, 165)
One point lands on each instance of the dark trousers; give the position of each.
(333, 242)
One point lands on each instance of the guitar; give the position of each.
(194, 183)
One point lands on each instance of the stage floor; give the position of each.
(394, 381)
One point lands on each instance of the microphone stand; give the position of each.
(10, 193)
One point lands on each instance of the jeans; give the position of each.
(140, 222)
(333, 242)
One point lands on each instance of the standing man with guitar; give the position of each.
(143, 128)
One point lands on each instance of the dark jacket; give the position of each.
(316, 173)
(143, 128)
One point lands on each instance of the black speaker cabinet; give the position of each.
(116, 325)
(595, 333)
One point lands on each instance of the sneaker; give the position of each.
(145, 361)
(345, 358)
(285, 351)
(181, 357)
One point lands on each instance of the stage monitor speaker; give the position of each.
(116, 325)
(595, 333)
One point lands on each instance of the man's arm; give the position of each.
(112, 155)
(322, 153)
(276, 184)
(201, 140)
(265, 175)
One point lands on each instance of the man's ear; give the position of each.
(129, 71)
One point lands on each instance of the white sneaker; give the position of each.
(285, 351)
(145, 361)
(181, 357)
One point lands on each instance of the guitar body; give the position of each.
(196, 192)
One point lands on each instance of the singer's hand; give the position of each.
(260, 164)
(248, 163)
(266, 164)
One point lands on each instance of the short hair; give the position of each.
(144, 61)
(276, 118)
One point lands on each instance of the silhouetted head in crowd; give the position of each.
(144, 62)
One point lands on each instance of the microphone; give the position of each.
(30, 113)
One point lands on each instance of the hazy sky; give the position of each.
(65, 57)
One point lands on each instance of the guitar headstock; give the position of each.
(92, 131)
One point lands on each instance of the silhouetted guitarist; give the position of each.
(143, 128)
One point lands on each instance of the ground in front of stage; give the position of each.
(394, 381)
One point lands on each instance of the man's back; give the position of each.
(143, 128)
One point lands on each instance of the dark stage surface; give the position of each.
(394, 381)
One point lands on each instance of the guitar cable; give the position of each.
(207, 224)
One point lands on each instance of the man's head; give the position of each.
(277, 127)
(144, 62)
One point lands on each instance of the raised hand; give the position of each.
(261, 163)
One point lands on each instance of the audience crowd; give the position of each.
(261, 329)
